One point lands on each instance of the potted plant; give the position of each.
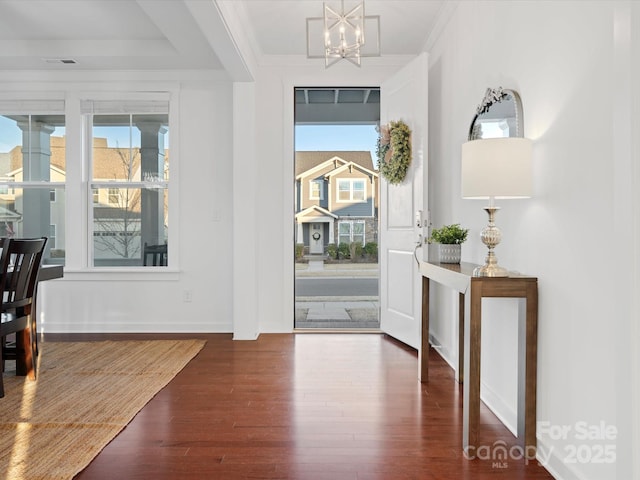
(450, 239)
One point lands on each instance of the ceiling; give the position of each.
(183, 34)
(344, 105)
(280, 25)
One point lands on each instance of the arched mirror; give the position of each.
(498, 116)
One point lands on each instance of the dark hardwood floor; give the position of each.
(303, 406)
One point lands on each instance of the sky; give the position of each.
(337, 137)
(307, 137)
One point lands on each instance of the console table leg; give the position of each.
(471, 386)
(530, 442)
(423, 364)
(461, 309)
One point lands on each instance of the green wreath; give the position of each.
(394, 151)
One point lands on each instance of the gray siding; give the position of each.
(353, 209)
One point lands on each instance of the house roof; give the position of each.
(315, 208)
(7, 214)
(306, 160)
(350, 165)
(108, 162)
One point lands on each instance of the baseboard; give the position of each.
(445, 352)
(501, 409)
(507, 415)
(549, 458)
(179, 327)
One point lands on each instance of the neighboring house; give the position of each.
(336, 199)
(116, 211)
(13, 202)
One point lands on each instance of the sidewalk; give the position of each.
(323, 269)
(341, 314)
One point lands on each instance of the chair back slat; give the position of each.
(20, 263)
(157, 253)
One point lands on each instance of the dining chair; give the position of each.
(19, 266)
(157, 254)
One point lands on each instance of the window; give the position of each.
(129, 179)
(357, 232)
(344, 232)
(32, 172)
(357, 190)
(351, 190)
(51, 243)
(315, 190)
(127, 172)
(114, 196)
(351, 231)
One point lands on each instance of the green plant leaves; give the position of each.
(394, 138)
(449, 234)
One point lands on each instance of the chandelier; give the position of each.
(340, 35)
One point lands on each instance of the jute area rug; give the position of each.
(85, 393)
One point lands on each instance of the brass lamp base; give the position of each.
(491, 236)
(490, 268)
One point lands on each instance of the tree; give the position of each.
(118, 223)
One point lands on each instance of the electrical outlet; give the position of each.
(187, 296)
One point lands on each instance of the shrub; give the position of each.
(371, 250)
(299, 250)
(343, 250)
(355, 251)
(332, 250)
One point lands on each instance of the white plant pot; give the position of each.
(449, 253)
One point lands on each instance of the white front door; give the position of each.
(316, 242)
(404, 97)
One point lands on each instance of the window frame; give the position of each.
(49, 98)
(320, 185)
(170, 185)
(111, 193)
(351, 224)
(351, 182)
(34, 106)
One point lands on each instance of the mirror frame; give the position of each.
(497, 95)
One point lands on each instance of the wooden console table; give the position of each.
(471, 292)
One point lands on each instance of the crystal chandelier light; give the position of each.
(343, 35)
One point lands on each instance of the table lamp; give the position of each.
(495, 168)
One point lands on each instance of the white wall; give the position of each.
(200, 216)
(559, 56)
(570, 73)
(632, 399)
(218, 225)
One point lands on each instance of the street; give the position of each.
(336, 287)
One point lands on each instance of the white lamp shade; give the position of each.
(497, 167)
